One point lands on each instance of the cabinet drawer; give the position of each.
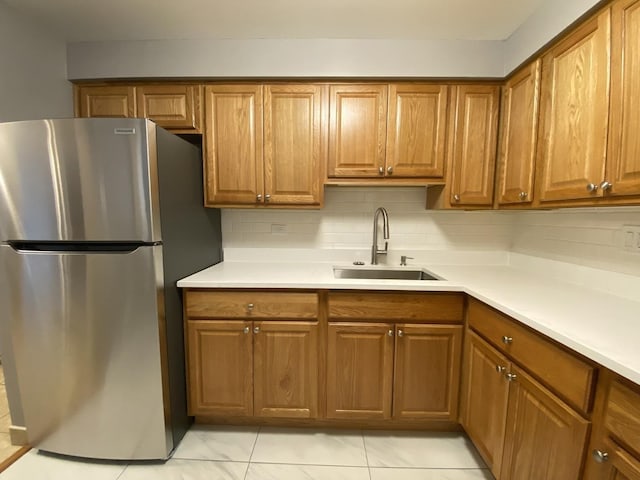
(622, 415)
(202, 304)
(572, 378)
(408, 307)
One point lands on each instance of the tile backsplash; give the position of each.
(589, 237)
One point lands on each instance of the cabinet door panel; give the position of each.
(170, 106)
(622, 465)
(545, 438)
(474, 144)
(358, 127)
(110, 101)
(427, 372)
(416, 134)
(233, 142)
(359, 370)
(294, 150)
(485, 393)
(286, 369)
(519, 132)
(624, 142)
(574, 112)
(220, 368)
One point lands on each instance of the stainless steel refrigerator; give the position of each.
(98, 220)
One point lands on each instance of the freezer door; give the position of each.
(86, 331)
(78, 179)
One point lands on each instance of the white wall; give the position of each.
(589, 237)
(346, 222)
(33, 71)
(547, 21)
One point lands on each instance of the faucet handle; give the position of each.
(403, 260)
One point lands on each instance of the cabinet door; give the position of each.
(485, 393)
(110, 101)
(574, 113)
(427, 372)
(294, 143)
(220, 368)
(474, 142)
(621, 464)
(358, 127)
(623, 171)
(285, 374)
(174, 107)
(233, 143)
(519, 132)
(416, 133)
(545, 439)
(359, 370)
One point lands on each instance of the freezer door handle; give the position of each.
(24, 246)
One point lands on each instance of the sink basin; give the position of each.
(383, 273)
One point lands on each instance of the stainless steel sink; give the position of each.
(365, 273)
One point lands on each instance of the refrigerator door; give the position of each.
(87, 334)
(78, 179)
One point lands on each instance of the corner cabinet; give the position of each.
(393, 356)
(518, 136)
(572, 148)
(252, 353)
(265, 145)
(524, 399)
(176, 107)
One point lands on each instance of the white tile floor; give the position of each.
(252, 453)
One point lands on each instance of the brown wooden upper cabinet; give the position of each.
(518, 136)
(175, 107)
(416, 130)
(357, 130)
(572, 147)
(472, 146)
(265, 145)
(623, 158)
(106, 101)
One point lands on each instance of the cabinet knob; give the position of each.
(246, 329)
(267, 197)
(511, 377)
(456, 197)
(390, 332)
(507, 340)
(523, 195)
(400, 333)
(600, 456)
(250, 307)
(256, 329)
(381, 170)
(258, 198)
(390, 170)
(606, 186)
(500, 369)
(592, 187)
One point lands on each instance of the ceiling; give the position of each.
(108, 20)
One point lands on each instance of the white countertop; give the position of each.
(554, 298)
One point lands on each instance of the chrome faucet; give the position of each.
(385, 229)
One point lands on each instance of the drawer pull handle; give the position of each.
(511, 377)
(600, 456)
(500, 369)
(507, 340)
(256, 329)
(246, 329)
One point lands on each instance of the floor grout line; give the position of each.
(253, 449)
(366, 455)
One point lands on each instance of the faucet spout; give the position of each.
(375, 251)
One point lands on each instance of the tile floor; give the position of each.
(6, 449)
(266, 453)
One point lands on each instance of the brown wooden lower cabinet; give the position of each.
(244, 368)
(362, 383)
